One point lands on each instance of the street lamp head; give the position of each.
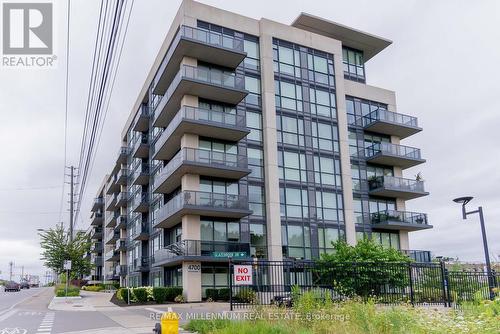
(463, 200)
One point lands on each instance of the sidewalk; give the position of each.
(126, 317)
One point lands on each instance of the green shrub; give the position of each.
(212, 294)
(140, 294)
(73, 291)
(119, 294)
(172, 292)
(93, 288)
(160, 294)
(245, 295)
(224, 294)
(124, 294)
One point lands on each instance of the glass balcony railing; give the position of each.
(216, 249)
(216, 118)
(405, 217)
(396, 183)
(224, 79)
(209, 158)
(390, 117)
(113, 236)
(393, 150)
(197, 200)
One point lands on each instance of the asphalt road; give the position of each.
(26, 312)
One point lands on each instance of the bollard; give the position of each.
(169, 323)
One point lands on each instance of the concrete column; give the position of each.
(404, 242)
(189, 61)
(270, 146)
(191, 281)
(345, 159)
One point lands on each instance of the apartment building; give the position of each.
(256, 139)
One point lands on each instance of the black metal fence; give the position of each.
(271, 282)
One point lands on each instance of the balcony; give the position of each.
(141, 203)
(112, 276)
(391, 123)
(96, 218)
(393, 155)
(396, 187)
(203, 204)
(122, 199)
(141, 147)
(96, 234)
(141, 264)
(112, 186)
(111, 202)
(123, 155)
(198, 250)
(96, 247)
(112, 256)
(98, 203)
(120, 245)
(141, 174)
(121, 222)
(141, 120)
(112, 237)
(210, 123)
(418, 255)
(96, 260)
(111, 219)
(201, 162)
(140, 232)
(400, 220)
(121, 177)
(206, 83)
(207, 46)
(121, 270)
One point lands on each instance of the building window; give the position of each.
(252, 84)
(354, 66)
(213, 277)
(297, 241)
(256, 200)
(288, 95)
(294, 203)
(321, 69)
(292, 166)
(376, 171)
(251, 47)
(325, 136)
(329, 206)
(218, 187)
(386, 239)
(358, 108)
(290, 130)
(326, 237)
(322, 103)
(219, 231)
(254, 123)
(256, 162)
(377, 205)
(258, 240)
(327, 171)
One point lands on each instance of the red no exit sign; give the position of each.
(242, 275)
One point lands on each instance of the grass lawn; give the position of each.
(310, 315)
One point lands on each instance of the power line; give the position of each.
(66, 110)
(116, 65)
(30, 188)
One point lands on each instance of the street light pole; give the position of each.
(489, 272)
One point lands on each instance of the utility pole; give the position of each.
(22, 272)
(71, 202)
(11, 264)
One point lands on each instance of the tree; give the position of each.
(364, 269)
(57, 248)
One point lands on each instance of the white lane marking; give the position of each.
(8, 314)
(37, 293)
(46, 324)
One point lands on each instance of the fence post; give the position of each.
(447, 282)
(230, 286)
(443, 282)
(410, 275)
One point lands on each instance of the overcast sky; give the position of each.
(442, 65)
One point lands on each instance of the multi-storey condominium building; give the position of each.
(256, 139)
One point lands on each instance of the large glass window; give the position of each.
(297, 241)
(294, 203)
(292, 166)
(329, 206)
(254, 123)
(327, 171)
(288, 95)
(251, 47)
(322, 102)
(258, 240)
(358, 108)
(218, 187)
(256, 200)
(325, 136)
(326, 237)
(386, 239)
(290, 130)
(321, 68)
(219, 230)
(256, 162)
(354, 66)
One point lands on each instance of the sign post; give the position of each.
(67, 266)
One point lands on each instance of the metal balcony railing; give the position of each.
(392, 149)
(214, 117)
(216, 249)
(396, 183)
(200, 156)
(390, 117)
(399, 216)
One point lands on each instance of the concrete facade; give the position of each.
(216, 68)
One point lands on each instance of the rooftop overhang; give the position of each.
(356, 39)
